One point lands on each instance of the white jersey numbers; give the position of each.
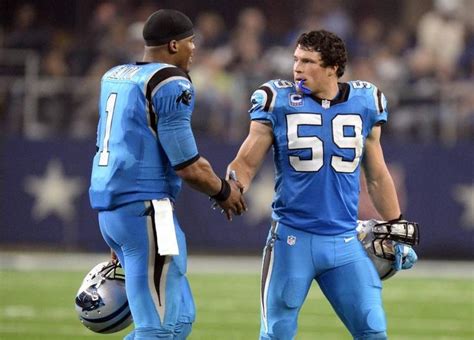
(281, 84)
(346, 134)
(297, 142)
(353, 141)
(360, 84)
(109, 109)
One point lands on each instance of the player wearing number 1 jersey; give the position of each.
(322, 132)
(145, 146)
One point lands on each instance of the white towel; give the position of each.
(165, 230)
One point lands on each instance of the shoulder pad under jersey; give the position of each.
(375, 99)
(264, 98)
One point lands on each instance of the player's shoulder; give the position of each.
(143, 72)
(361, 86)
(167, 76)
(266, 95)
(374, 97)
(172, 87)
(279, 85)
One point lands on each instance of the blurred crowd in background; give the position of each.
(419, 53)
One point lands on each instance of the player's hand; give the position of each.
(232, 176)
(235, 204)
(405, 257)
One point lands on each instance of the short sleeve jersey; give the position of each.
(144, 134)
(318, 146)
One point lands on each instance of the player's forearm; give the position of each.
(200, 176)
(379, 181)
(244, 173)
(384, 197)
(252, 153)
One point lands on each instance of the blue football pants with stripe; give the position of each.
(293, 258)
(158, 292)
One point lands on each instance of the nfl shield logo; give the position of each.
(291, 240)
(326, 103)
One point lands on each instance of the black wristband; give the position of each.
(224, 193)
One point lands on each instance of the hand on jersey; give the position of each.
(405, 257)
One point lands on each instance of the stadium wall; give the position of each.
(44, 201)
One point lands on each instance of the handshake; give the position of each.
(230, 198)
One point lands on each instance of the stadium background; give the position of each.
(52, 54)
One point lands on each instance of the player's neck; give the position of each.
(328, 92)
(157, 55)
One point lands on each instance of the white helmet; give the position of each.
(379, 239)
(101, 301)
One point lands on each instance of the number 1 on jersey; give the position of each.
(109, 109)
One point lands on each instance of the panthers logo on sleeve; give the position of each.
(185, 97)
(258, 100)
(263, 99)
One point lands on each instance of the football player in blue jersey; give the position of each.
(145, 147)
(322, 131)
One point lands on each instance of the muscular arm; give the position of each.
(252, 153)
(379, 181)
(200, 176)
(176, 137)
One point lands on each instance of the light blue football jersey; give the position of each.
(318, 146)
(144, 134)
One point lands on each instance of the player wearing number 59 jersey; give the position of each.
(318, 147)
(322, 132)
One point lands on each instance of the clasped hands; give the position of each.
(235, 204)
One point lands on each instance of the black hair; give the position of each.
(331, 48)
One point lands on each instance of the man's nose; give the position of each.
(297, 67)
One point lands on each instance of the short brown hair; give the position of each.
(329, 45)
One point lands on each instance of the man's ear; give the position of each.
(173, 46)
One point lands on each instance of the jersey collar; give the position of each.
(341, 97)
